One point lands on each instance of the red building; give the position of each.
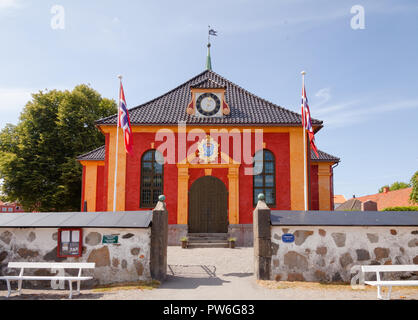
(10, 207)
(196, 144)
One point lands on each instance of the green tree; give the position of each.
(414, 194)
(395, 186)
(38, 155)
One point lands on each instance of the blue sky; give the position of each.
(361, 83)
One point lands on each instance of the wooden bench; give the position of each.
(389, 283)
(47, 265)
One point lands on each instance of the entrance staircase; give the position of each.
(208, 240)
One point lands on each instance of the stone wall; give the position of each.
(175, 233)
(243, 233)
(327, 254)
(129, 260)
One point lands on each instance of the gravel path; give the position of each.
(219, 274)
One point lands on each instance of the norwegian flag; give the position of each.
(306, 121)
(123, 120)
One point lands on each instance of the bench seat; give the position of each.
(14, 278)
(394, 283)
(47, 265)
(379, 283)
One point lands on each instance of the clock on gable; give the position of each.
(208, 102)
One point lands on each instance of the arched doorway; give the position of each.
(208, 206)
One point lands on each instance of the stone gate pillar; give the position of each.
(262, 240)
(159, 241)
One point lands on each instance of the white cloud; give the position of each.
(14, 98)
(323, 94)
(10, 4)
(342, 114)
(12, 102)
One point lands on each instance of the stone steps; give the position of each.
(192, 245)
(208, 240)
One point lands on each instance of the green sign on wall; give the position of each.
(110, 239)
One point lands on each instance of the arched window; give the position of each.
(152, 178)
(264, 177)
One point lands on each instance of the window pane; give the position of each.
(269, 167)
(147, 167)
(258, 181)
(65, 236)
(152, 178)
(146, 181)
(268, 156)
(155, 196)
(146, 196)
(158, 168)
(269, 181)
(75, 236)
(148, 156)
(158, 181)
(270, 196)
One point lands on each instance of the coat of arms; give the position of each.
(208, 150)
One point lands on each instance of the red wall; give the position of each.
(278, 143)
(100, 190)
(331, 183)
(314, 188)
(106, 172)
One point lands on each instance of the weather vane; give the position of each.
(212, 32)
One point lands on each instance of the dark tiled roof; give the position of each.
(208, 84)
(350, 205)
(246, 108)
(99, 154)
(323, 156)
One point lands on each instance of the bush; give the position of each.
(412, 208)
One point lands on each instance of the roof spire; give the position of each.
(209, 60)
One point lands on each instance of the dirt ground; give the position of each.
(217, 274)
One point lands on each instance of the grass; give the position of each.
(139, 285)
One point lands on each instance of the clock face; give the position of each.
(208, 104)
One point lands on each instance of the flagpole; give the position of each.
(304, 151)
(117, 149)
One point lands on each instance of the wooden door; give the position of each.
(208, 206)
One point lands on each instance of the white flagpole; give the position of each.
(117, 150)
(304, 152)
